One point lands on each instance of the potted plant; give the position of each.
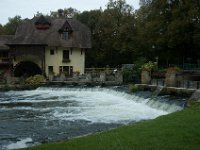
(146, 72)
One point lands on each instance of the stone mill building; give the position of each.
(45, 45)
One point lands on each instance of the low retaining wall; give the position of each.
(87, 83)
(16, 87)
(100, 77)
(19, 87)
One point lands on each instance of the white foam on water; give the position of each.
(23, 143)
(96, 105)
(107, 108)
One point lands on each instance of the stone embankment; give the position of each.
(16, 87)
(192, 95)
(19, 87)
(173, 82)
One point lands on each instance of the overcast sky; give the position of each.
(27, 8)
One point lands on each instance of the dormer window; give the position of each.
(66, 31)
(65, 35)
(42, 23)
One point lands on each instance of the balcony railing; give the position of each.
(66, 60)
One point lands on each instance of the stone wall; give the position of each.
(173, 78)
(145, 77)
(101, 77)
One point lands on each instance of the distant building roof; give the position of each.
(3, 40)
(28, 34)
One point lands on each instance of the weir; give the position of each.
(195, 96)
(163, 90)
(157, 90)
(54, 113)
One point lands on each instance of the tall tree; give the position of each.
(112, 34)
(66, 12)
(12, 25)
(91, 19)
(144, 2)
(1, 30)
(169, 28)
(116, 28)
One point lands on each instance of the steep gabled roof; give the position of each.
(28, 34)
(66, 27)
(5, 39)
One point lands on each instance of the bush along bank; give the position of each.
(29, 83)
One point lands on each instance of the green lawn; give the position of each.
(177, 131)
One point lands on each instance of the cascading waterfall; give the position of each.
(50, 114)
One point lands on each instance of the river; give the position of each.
(29, 118)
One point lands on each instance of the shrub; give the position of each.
(127, 74)
(37, 79)
(137, 69)
(133, 88)
(139, 62)
(148, 66)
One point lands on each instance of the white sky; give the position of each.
(27, 8)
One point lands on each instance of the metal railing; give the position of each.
(180, 84)
(187, 66)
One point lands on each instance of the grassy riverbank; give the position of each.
(180, 130)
